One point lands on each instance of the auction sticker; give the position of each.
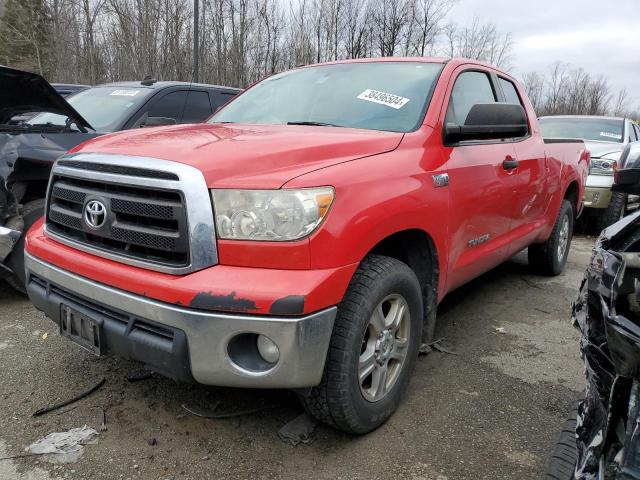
(383, 98)
(125, 93)
(611, 135)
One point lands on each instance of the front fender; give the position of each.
(377, 197)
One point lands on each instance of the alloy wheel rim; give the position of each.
(385, 345)
(564, 238)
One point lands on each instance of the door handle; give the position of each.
(510, 163)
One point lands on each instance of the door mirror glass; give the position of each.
(489, 121)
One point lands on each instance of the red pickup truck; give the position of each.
(303, 237)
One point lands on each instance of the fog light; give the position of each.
(268, 349)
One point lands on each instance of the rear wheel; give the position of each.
(31, 212)
(373, 349)
(550, 257)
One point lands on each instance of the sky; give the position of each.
(603, 37)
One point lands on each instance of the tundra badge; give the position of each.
(477, 241)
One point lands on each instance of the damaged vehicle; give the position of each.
(604, 441)
(37, 125)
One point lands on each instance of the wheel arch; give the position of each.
(417, 249)
(572, 193)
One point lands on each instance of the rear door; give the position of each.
(221, 98)
(198, 107)
(531, 194)
(481, 188)
(168, 103)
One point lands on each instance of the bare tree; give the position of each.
(535, 86)
(572, 91)
(479, 41)
(431, 15)
(388, 19)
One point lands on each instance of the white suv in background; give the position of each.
(605, 137)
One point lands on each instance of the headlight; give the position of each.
(271, 215)
(599, 166)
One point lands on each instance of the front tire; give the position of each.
(550, 257)
(373, 349)
(615, 211)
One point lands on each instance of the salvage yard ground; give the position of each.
(490, 411)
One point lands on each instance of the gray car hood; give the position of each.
(604, 149)
(24, 92)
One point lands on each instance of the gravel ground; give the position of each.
(491, 411)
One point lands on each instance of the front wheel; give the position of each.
(550, 257)
(373, 349)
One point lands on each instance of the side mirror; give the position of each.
(489, 121)
(159, 121)
(627, 179)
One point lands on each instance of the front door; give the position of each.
(482, 187)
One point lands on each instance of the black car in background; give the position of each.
(603, 441)
(37, 125)
(66, 89)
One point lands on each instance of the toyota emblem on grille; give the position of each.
(95, 214)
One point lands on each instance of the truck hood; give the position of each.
(248, 156)
(604, 149)
(24, 92)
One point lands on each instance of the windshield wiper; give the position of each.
(314, 124)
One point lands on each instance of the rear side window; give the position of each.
(470, 88)
(633, 136)
(170, 106)
(198, 107)
(510, 91)
(636, 128)
(220, 98)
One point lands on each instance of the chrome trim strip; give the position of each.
(303, 341)
(202, 235)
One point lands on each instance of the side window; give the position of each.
(470, 88)
(197, 108)
(636, 128)
(220, 98)
(633, 134)
(510, 91)
(169, 106)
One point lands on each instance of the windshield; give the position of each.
(599, 129)
(103, 107)
(390, 96)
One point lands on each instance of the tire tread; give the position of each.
(327, 401)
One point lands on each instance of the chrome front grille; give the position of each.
(160, 218)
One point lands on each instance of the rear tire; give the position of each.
(355, 396)
(550, 257)
(31, 212)
(564, 457)
(614, 211)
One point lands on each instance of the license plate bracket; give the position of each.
(81, 329)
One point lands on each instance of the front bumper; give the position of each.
(597, 192)
(186, 343)
(596, 197)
